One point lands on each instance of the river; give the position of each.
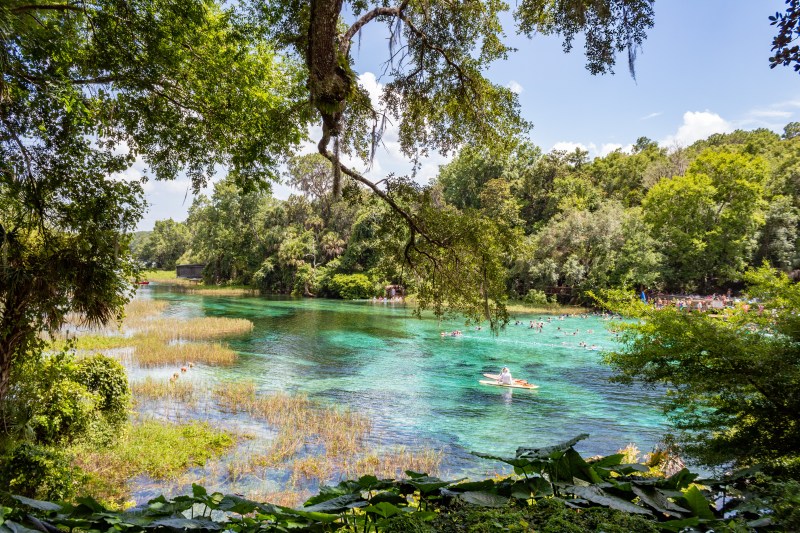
(421, 389)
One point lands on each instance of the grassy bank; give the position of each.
(519, 307)
(159, 450)
(169, 277)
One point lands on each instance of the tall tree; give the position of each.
(85, 88)
(732, 383)
(707, 221)
(165, 244)
(437, 94)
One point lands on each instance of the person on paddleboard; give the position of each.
(505, 377)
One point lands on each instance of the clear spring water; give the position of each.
(421, 389)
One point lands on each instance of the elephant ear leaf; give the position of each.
(39, 505)
(598, 496)
(658, 501)
(548, 451)
(484, 499)
(694, 500)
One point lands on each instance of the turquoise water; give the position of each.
(422, 389)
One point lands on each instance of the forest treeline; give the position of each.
(689, 219)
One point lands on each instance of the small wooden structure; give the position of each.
(190, 271)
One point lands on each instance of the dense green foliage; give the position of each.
(732, 382)
(688, 220)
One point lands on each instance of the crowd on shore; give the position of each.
(702, 304)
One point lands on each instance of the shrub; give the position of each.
(57, 400)
(106, 377)
(351, 286)
(40, 472)
(62, 411)
(535, 297)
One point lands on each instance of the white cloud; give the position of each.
(568, 146)
(607, 148)
(652, 115)
(593, 149)
(697, 125)
(515, 87)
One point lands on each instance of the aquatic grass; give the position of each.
(313, 440)
(152, 350)
(520, 307)
(311, 467)
(141, 308)
(223, 291)
(154, 389)
(340, 431)
(283, 447)
(286, 498)
(198, 329)
(91, 342)
(394, 462)
(159, 450)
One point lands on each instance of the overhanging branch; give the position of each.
(347, 38)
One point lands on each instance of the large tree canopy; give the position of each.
(732, 381)
(88, 86)
(437, 93)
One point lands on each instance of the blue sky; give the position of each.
(703, 69)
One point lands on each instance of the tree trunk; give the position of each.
(330, 78)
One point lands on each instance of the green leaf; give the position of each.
(14, 527)
(236, 504)
(679, 480)
(337, 504)
(484, 499)
(698, 503)
(547, 451)
(658, 501)
(384, 509)
(390, 497)
(183, 524)
(609, 460)
(473, 486)
(325, 518)
(37, 504)
(198, 491)
(367, 482)
(426, 485)
(600, 497)
(90, 504)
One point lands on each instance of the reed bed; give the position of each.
(151, 350)
(285, 498)
(341, 432)
(224, 291)
(154, 389)
(140, 308)
(198, 329)
(311, 467)
(395, 462)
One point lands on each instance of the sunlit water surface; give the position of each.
(421, 389)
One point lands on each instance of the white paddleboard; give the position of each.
(512, 386)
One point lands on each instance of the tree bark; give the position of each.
(330, 78)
